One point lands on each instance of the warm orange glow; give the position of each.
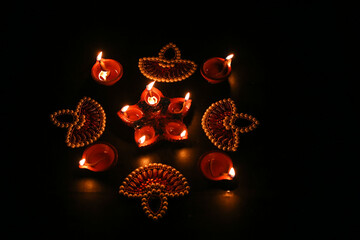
(82, 162)
(103, 75)
(145, 160)
(187, 96)
(125, 108)
(142, 139)
(150, 85)
(99, 56)
(232, 172)
(152, 100)
(88, 185)
(229, 59)
(183, 134)
(230, 56)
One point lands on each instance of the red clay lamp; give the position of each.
(106, 71)
(216, 70)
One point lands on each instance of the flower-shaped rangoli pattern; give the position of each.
(153, 181)
(219, 124)
(156, 117)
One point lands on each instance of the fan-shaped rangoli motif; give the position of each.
(163, 69)
(219, 124)
(155, 180)
(85, 124)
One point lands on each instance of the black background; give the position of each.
(294, 173)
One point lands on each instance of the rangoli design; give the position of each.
(164, 69)
(219, 124)
(155, 180)
(85, 125)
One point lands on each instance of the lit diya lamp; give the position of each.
(216, 70)
(98, 157)
(151, 95)
(180, 105)
(156, 117)
(175, 131)
(106, 71)
(145, 136)
(130, 114)
(216, 165)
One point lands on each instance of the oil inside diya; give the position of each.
(130, 114)
(108, 72)
(151, 97)
(145, 136)
(175, 130)
(216, 70)
(99, 157)
(216, 165)
(178, 105)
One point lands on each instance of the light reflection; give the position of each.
(234, 81)
(228, 194)
(144, 161)
(183, 157)
(195, 126)
(103, 75)
(152, 100)
(229, 201)
(147, 159)
(88, 185)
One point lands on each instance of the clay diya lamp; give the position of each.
(175, 131)
(180, 105)
(153, 121)
(130, 114)
(151, 95)
(216, 165)
(216, 70)
(145, 136)
(106, 71)
(99, 157)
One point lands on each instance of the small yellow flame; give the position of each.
(82, 162)
(99, 56)
(187, 96)
(142, 139)
(230, 56)
(232, 172)
(229, 59)
(183, 134)
(125, 108)
(150, 85)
